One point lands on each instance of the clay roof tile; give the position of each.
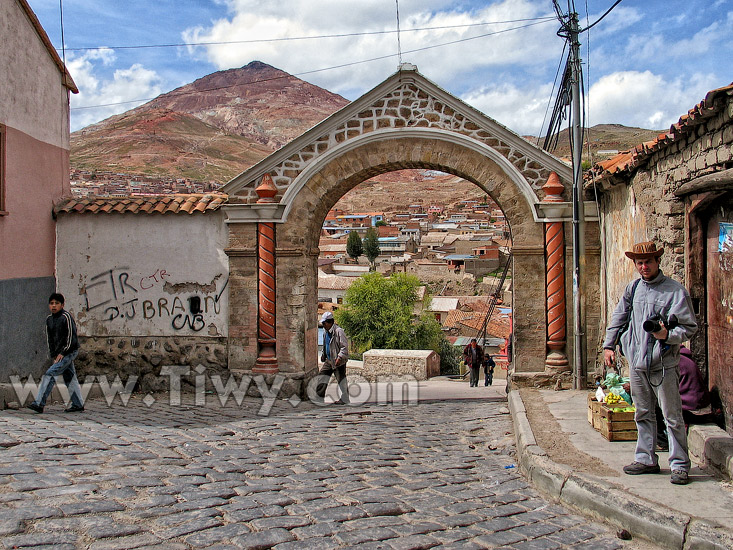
(714, 101)
(174, 204)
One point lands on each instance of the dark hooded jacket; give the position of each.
(61, 334)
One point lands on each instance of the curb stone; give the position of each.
(608, 502)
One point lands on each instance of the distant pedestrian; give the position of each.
(334, 357)
(63, 347)
(652, 319)
(473, 358)
(489, 365)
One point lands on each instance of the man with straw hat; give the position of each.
(652, 319)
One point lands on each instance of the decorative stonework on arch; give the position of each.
(405, 101)
(405, 122)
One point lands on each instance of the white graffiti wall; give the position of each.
(144, 274)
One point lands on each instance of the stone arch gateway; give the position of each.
(276, 209)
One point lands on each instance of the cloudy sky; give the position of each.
(645, 64)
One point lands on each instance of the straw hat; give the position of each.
(644, 250)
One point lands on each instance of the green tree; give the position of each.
(377, 313)
(354, 247)
(380, 223)
(371, 245)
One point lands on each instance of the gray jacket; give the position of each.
(663, 297)
(339, 346)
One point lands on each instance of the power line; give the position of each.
(602, 16)
(399, 44)
(552, 93)
(379, 58)
(317, 37)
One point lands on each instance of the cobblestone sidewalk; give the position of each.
(393, 477)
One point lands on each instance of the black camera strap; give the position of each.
(629, 311)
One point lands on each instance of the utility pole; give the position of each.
(579, 379)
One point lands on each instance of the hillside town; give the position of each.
(458, 253)
(106, 183)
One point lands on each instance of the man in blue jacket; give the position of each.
(63, 346)
(652, 319)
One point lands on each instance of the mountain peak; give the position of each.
(258, 104)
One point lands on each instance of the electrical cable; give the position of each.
(552, 92)
(318, 37)
(399, 45)
(350, 64)
(616, 3)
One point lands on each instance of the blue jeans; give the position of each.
(64, 368)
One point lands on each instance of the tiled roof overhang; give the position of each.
(163, 204)
(623, 165)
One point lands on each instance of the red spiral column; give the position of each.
(266, 318)
(556, 359)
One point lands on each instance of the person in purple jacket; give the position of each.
(693, 394)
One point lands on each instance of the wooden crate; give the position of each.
(618, 430)
(614, 426)
(594, 411)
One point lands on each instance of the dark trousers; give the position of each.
(324, 377)
(488, 375)
(473, 378)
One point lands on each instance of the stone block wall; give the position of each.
(143, 358)
(382, 365)
(646, 208)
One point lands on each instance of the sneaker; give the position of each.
(74, 409)
(636, 468)
(680, 477)
(36, 408)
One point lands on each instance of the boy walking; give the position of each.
(63, 347)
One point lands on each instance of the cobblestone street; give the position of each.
(373, 476)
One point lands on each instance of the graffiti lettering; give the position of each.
(121, 295)
(149, 281)
(177, 305)
(148, 309)
(194, 322)
(163, 304)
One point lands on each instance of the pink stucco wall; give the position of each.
(36, 176)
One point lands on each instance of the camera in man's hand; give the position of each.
(653, 323)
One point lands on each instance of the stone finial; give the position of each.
(266, 190)
(553, 188)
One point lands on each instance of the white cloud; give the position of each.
(521, 110)
(253, 20)
(133, 83)
(645, 99)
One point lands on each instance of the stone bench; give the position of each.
(381, 365)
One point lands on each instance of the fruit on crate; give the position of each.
(612, 398)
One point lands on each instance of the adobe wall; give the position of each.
(646, 208)
(34, 101)
(34, 131)
(132, 281)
